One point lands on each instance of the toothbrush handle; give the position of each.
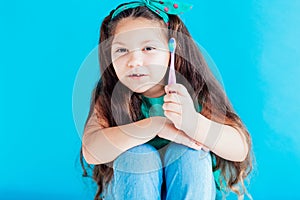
(172, 75)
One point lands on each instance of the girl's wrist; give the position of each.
(162, 123)
(195, 127)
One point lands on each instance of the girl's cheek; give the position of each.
(119, 63)
(116, 59)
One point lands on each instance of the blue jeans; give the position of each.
(178, 172)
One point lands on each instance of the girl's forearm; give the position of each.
(225, 141)
(102, 145)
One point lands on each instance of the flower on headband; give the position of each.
(162, 8)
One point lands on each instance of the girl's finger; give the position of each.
(172, 97)
(177, 88)
(195, 146)
(188, 142)
(173, 116)
(172, 107)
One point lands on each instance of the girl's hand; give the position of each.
(179, 108)
(169, 132)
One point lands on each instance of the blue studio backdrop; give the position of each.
(254, 44)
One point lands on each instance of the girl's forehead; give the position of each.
(139, 28)
(141, 35)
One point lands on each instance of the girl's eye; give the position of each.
(148, 49)
(121, 50)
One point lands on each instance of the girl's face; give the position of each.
(140, 55)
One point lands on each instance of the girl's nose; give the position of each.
(135, 58)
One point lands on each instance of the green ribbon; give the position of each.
(162, 8)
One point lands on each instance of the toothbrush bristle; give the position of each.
(172, 45)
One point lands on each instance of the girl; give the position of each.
(147, 139)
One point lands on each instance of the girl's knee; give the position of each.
(183, 154)
(139, 159)
(190, 170)
(143, 148)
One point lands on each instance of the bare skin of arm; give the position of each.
(225, 141)
(102, 145)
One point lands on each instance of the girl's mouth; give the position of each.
(136, 75)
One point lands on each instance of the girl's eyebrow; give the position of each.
(144, 42)
(117, 42)
(149, 41)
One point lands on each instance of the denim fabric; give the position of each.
(179, 173)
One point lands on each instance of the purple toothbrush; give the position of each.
(172, 47)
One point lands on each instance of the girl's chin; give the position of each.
(152, 91)
(140, 89)
(148, 89)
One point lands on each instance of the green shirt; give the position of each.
(153, 107)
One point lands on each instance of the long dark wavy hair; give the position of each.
(206, 90)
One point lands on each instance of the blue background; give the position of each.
(255, 45)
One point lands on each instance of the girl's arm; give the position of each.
(102, 145)
(224, 140)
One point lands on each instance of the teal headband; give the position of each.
(161, 8)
